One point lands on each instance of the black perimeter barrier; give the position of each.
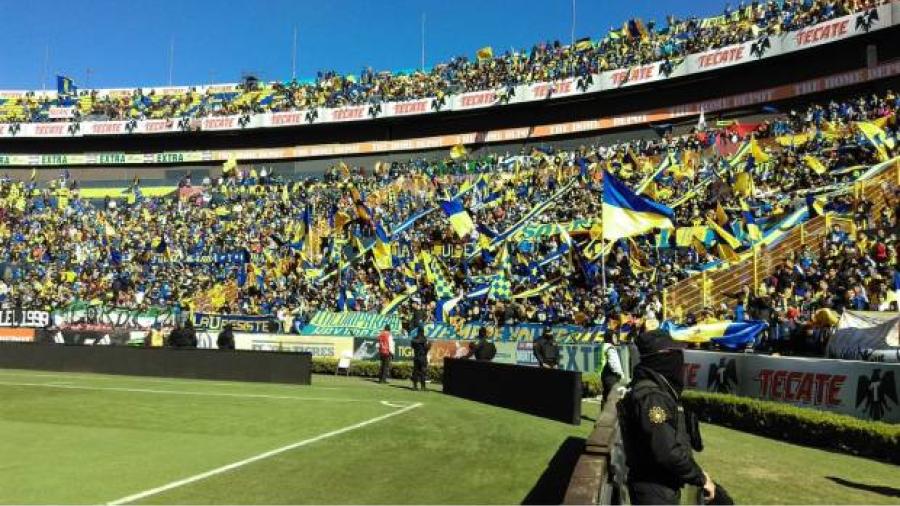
(549, 393)
(264, 366)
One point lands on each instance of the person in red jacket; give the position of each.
(384, 352)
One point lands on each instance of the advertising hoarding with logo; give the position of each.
(866, 390)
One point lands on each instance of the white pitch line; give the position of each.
(256, 458)
(180, 392)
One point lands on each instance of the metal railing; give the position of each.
(708, 289)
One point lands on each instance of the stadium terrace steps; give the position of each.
(708, 289)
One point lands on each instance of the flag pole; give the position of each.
(603, 264)
(603, 239)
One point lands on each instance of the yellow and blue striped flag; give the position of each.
(459, 218)
(753, 231)
(723, 234)
(382, 249)
(729, 334)
(626, 214)
(876, 136)
(65, 86)
(391, 306)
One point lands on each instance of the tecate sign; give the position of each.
(867, 390)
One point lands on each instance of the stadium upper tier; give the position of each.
(518, 237)
(636, 54)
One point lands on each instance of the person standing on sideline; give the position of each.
(420, 346)
(482, 349)
(609, 366)
(384, 352)
(546, 351)
(155, 337)
(225, 341)
(190, 335)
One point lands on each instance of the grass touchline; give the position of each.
(261, 456)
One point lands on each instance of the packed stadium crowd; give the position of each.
(635, 43)
(388, 238)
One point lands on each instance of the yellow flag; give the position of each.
(724, 234)
(877, 137)
(727, 253)
(758, 154)
(814, 164)
(382, 253)
(229, 165)
(793, 140)
(458, 151)
(721, 215)
(743, 184)
(485, 53)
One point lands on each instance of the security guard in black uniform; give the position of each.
(482, 349)
(655, 432)
(546, 351)
(420, 346)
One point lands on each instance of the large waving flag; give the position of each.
(728, 334)
(627, 214)
(458, 151)
(394, 303)
(485, 53)
(382, 250)
(876, 136)
(753, 230)
(65, 86)
(459, 218)
(666, 163)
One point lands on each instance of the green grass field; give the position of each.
(80, 438)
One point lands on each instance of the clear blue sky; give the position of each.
(126, 43)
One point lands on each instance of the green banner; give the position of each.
(327, 323)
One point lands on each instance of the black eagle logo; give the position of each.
(584, 82)
(865, 20)
(312, 115)
(873, 394)
(504, 96)
(759, 48)
(374, 110)
(722, 377)
(438, 103)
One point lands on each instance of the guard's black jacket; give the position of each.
(546, 351)
(420, 349)
(225, 341)
(483, 350)
(656, 434)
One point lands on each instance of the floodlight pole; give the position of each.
(171, 58)
(46, 64)
(573, 22)
(422, 66)
(294, 56)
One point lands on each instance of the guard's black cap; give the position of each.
(654, 341)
